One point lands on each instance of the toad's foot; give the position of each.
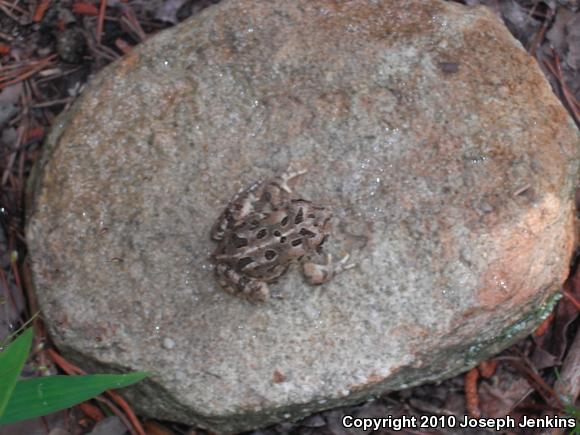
(241, 286)
(289, 174)
(320, 273)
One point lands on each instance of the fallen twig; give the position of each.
(101, 20)
(572, 299)
(541, 330)
(556, 70)
(471, 396)
(487, 368)
(40, 10)
(82, 8)
(567, 386)
(526, 368)
(12, 74)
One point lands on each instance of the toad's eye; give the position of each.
(239, 242)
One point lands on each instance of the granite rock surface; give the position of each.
(433, 136)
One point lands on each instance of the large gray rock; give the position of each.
(429, 131)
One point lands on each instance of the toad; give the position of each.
(263, 231)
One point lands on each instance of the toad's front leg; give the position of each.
(315, 273)
(239, 207)
(270, 193)
(241, 286)
(289, 174)
(277, 189)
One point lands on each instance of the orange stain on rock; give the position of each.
(525, 268)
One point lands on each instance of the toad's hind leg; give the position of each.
(320, 273)
(241, 286)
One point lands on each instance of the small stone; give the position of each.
(314, 421)
(168, 343)
(112, 425)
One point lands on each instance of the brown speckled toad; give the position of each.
(263, 231)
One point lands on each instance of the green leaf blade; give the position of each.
(41, 396)
(12, 360)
